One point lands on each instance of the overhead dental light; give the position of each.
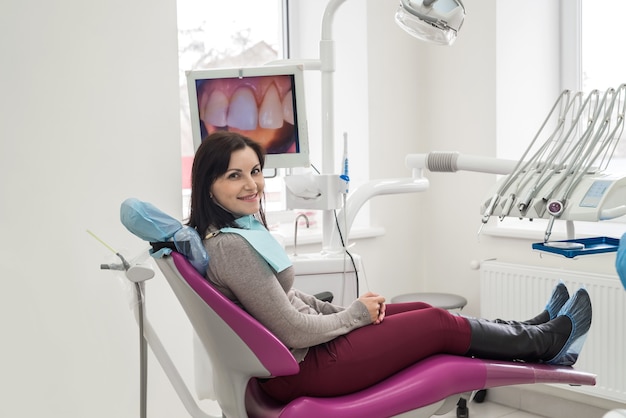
(437, 21)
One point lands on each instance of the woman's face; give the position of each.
(239, 190)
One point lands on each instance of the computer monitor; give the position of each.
(264, 103)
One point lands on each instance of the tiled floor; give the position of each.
(492, 410)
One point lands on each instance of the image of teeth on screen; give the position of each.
(259, 107)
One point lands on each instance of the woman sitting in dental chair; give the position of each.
(342, 350)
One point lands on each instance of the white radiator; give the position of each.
(512, 291)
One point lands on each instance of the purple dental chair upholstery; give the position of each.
(240, 349)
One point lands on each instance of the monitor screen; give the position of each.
(263, 103)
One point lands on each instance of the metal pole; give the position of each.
(143, 355)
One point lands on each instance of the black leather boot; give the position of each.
(542, 318)
(518, 341)
(558, 341)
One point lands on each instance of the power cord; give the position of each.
(343, 244)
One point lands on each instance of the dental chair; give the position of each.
(241, 350)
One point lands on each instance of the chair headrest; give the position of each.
(153, 225)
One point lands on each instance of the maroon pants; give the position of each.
(410, 332)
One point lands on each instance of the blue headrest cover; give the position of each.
(151, 224)
(620, 260)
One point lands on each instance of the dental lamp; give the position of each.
(434, 21)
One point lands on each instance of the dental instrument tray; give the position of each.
(576, 247)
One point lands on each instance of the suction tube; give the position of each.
(453, 161)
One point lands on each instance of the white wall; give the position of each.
(89, 117)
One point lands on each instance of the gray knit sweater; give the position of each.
(299, 320)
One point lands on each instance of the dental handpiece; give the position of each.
(490, 208)
(345, 173)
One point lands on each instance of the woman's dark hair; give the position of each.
(210, 162)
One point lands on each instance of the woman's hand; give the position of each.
(375, 304)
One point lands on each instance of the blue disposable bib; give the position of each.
(262, 241)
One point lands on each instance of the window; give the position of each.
(602, 61)
(217, 33)
(592, 58)
(602, 33)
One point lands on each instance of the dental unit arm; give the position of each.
(434, 161)
(596, 197)
(321, 186)
(600, 196)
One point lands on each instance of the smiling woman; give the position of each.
(240, 188)
(235, 185)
